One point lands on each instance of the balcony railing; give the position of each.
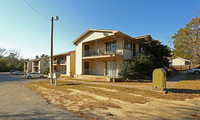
(137, 54)
(103, 51)
(101, 72)
(62, 72)
(62, 62)
(55, 62)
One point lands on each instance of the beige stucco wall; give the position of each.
(79, 48)
(68, 65)
(72, 62)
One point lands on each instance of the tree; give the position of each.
(12, 61)
(155, 55)
(2, 52)
(43, 55)
(187, 40)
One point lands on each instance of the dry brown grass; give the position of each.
(86, 99)
(123, 94)
(191, 81)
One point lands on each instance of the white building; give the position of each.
(180, 61)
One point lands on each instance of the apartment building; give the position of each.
(99, 53)
(36, 65)
(40, 64)
(27, 66)
(64, 63)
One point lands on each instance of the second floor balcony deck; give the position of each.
(103, 52)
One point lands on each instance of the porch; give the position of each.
(108, 67)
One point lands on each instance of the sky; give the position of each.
(23, 29)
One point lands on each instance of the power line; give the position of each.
(36, 10)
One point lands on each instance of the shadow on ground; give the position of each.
(186, 91)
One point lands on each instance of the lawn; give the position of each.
(83, 97)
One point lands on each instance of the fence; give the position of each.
(185, 67)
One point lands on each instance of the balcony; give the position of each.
(62, 72)
(55, 62)
(103, 52)
(62, 62)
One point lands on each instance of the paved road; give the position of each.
(19, 102)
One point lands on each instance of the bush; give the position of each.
(46, 71)
(136, 68)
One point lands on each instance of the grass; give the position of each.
(191, 82)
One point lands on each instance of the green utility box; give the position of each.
(159, 79)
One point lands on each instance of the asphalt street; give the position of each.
(19, 102)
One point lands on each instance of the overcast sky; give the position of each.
(23, 29)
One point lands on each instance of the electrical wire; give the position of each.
(36, 10)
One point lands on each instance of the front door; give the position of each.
(110, 68)
(86, 68)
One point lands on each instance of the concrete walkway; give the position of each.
(19, 102)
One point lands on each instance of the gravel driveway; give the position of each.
(19, 102)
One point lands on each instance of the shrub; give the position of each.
(136, 68)
(46, 71)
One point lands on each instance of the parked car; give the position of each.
(33, 75)
(194, 70)
(18, 73)
(13, 71)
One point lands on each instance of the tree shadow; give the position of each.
(191, 76)
(186, 91)
(71, 84)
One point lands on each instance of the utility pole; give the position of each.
(51, 50)
(51, 70)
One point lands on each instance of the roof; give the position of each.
(98, 30)
(109, 31)
(143, 37)
(37, 59)
(65, 53)
(182, 58)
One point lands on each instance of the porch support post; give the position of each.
(114, 58)
(105, 68)
(95, 58)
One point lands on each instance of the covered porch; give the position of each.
(106, 66)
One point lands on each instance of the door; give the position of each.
(110, 68)
(86, 68)
(87, 48)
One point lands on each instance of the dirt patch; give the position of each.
(109, 90)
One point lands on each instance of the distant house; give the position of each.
(180, 61)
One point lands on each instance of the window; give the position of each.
(127, 44)
(110, 46)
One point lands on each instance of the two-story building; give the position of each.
(40, 64)
(36, 65)
(27, 66)
(99, 53)
(64, 63)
